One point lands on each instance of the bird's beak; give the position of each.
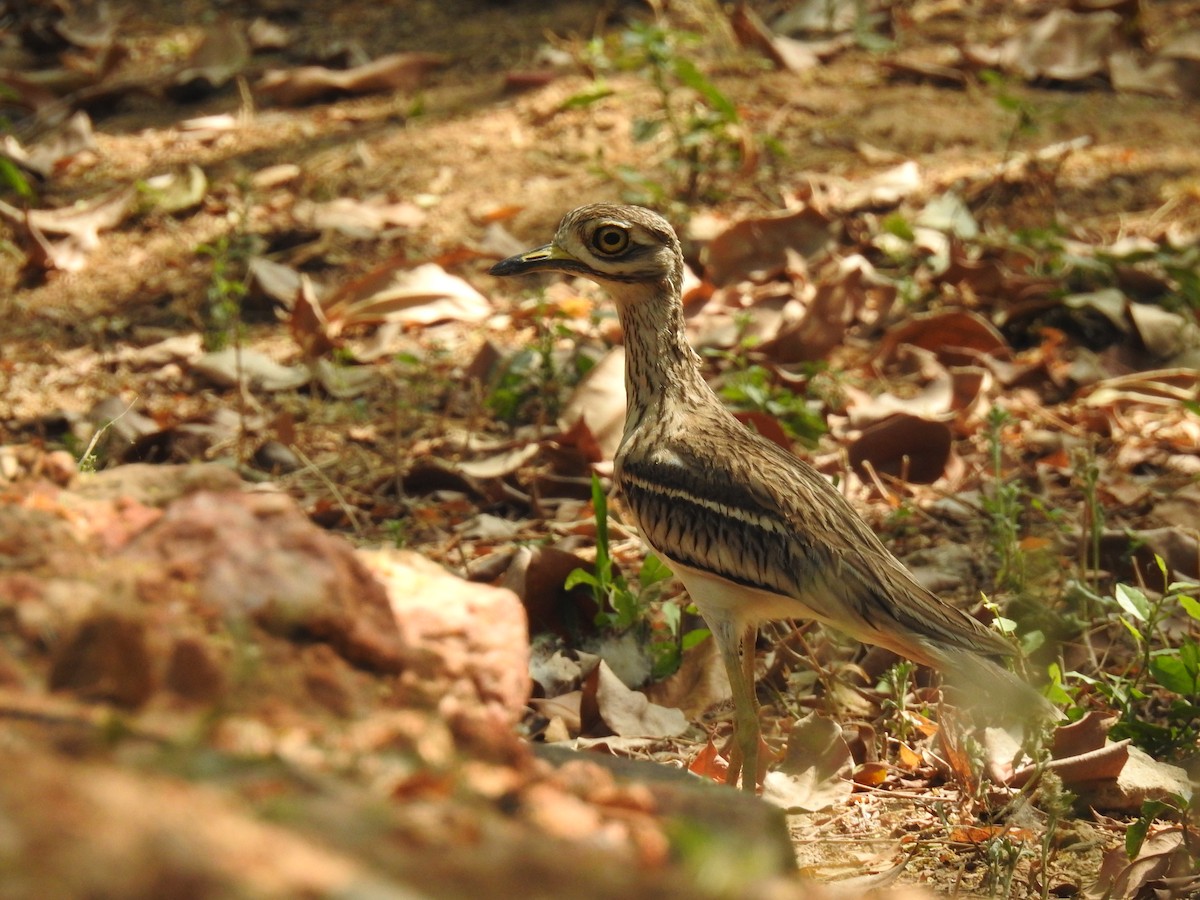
(550, 258)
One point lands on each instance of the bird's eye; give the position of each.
(610, 239)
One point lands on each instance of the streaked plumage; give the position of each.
(753, 532)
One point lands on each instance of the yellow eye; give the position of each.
(610, 239)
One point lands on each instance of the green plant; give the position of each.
(1158, 692)
(754, 389)
(704, 133)
(531, 384)
(222, 312)
(1087, 474)
(624, 607)
(1003, 507)
(895, 685)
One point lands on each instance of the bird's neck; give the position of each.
(661, 369)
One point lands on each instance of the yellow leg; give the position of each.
(737, 652)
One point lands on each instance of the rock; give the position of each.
(257, 556)
(105, 659)
(1141, 778)
(470, 640)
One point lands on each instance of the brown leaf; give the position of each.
(599, 402)
(395, 72)
(221, 54)
(756, 248)
(700, 682)
(419, 296)
(537, 575)
(1163, 869)
(1063, 45)
(815, 771)
(785, 52)
(839, 297)
(629, 713)
(82, 221)
(907, 447)
(360, 218)
(956, 336)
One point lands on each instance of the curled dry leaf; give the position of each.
(174, 192)
(627, 713)
(420, 296)
(699, 683)
(55, 149)
(839, 298)
(958, 337)
(815, 772)
(229, 368)
(395, 72)
(755, 249)
(1063, 45)
(360, 218)
(1163, 868)
(907, 447)
(222, 53)
(785, 52)
(599, 402)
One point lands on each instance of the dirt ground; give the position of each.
(469, 148)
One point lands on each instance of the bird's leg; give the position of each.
(737, 652)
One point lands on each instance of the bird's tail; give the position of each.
(985, 687)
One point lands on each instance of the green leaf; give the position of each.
(1135, 834)
(1190, 605)
(645, 129)
(1137, 635)
(1133, 601)
(578, 577)
(587, 97)
(1172, 672)
(686, 72)
(694, 637)
(653, 571)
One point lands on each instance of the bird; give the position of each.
(752, 531)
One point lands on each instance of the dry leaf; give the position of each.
(360, 218)
(629, 713)
(815, 772)
(599, 402)
(221, 54)
(395, 72)
(755, 249)
(907, 447)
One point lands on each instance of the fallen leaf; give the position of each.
(756, 248)
(237, 366)
(907, 447)
(629, 713)
(815, 771)
(599, 402)
(394, 72)
(221, 54)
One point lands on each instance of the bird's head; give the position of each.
(618, 246)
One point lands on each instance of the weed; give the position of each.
(703, 131)
(754, 389)
(222, 312)
(1162, 679)
(13, 179)
(1003, 507)
(1087, 474)
(624, 607)
(398, 532)
(895, 685)
(531, 384)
